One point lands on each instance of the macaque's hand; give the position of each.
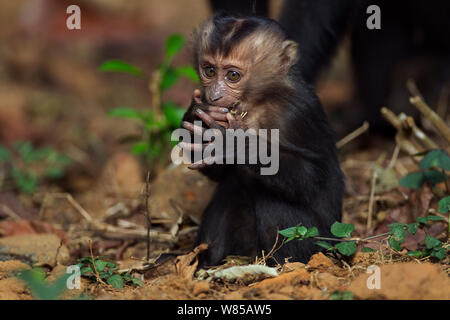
(216, 113)
(210, 118)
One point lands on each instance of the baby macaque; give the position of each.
(250, 81)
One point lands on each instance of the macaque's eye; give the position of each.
(233, 76)
(209, 72)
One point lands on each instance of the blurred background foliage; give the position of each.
(119, 84)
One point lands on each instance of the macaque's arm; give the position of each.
(297, 166)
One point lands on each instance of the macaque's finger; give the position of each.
(202, 163)
(192, 146)
(218, 116)
(232, 122)
(223, 124)
(217, 109)
(197, 96)
(207, 119)
(193, 128)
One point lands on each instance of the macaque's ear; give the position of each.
(290, 52)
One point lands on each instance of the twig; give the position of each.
(154, 87)
(273, 250)
(394, 157)
(104, 227)
(409, 124)
(401, 138)
(147, 211)
(435, 119)
(74, 203)
(353, 135)
(97, 275)
(8, 211)
(371, 202)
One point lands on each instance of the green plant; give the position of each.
(101, 270)
(26, 166)
(164, 116)
(41, 289)
(342, 295)
(347, 246)
(433, 167)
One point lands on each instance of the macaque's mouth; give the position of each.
(234, 107)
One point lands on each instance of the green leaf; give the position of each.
(395, 244)
(140, 148)
(25, 150)
(436, 158)
(124, 112)
(4, 154)
(188, 72)
(413, 180)
(435, 177)
(444, 205)
(367, 249)
(289, 232)
(416, 180)
(35, 280)
(412, 228)
(116, 281)
(174, 44)
(86, 270)
(439, 253)
(121, 66)
(431, 242)
(347, 248)
(422, 220)
(312, 232)
(25, 181)
(54, 173)
(100, 265)
(85, 260)
(342, 295)
(434, 218)
(291, 238)
(137, 281)
(342, 229)
(398, 233)
(415, 254)
(324, 244)
(168, 79)
(173, 114)
(301, 230)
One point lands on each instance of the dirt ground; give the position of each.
(52, 94)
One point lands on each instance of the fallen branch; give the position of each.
(434, 118)
(353, 135)
(100, 226)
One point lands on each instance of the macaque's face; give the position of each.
(223, 80)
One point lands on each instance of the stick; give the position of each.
(104, 227)
(97, 275)
(409, 123)
(147, 210)
(432, 116)
(371, 201)
(353, 135)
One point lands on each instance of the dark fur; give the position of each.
(247, 208)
